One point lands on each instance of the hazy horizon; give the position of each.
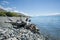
(32, 7)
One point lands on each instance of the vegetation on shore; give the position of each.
(11, 14)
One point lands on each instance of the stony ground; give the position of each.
(19, 34)
(7, 32)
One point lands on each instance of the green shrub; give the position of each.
(11, 14)
(2, 14)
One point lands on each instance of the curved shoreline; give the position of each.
(9, 27)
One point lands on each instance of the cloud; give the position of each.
(50, 14)
(25, 13)
(45, 14)
(13, 9)
(4, 2)
(8, 8)
(16, 11)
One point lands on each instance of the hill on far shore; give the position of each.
(11, 14)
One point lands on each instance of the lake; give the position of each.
(48, 25)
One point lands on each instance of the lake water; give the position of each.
(48, 25)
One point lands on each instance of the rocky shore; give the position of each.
(7, 32)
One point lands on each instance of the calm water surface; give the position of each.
(48, 25)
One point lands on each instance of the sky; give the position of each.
(32, 7)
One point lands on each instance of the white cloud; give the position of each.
(25, 13)
(50, 14)
(8, 8)
(13, 9)
(2, 7)
(45, 14)
(16, 11)
(4, 2)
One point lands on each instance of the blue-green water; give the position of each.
(48, 25)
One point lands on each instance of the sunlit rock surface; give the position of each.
(7, 32)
